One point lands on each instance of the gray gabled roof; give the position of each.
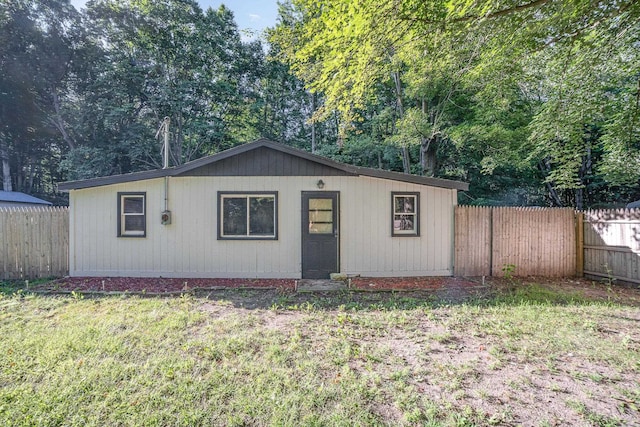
(179, 170)
(18, 197)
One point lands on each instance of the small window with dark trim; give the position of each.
(248, 215)
(405, 214)
(132, 216)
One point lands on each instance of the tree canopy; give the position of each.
(546, 85)
(531, 101)
(83, 94)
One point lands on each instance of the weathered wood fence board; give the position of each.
(472, 241)
(527, 241)
(612, 244)
(34, 242)
(535, 241)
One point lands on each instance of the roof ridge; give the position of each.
(253, 145)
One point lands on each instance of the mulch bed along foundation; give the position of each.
(442, 288)
(173, 285)
(410, 283)
(159, 285)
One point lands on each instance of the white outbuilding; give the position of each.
(262, 210)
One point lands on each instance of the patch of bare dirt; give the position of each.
(451, 368)
(525, 392)
(281, 320)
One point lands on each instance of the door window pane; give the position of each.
(320, 216)
(326, 204)
(320, 228)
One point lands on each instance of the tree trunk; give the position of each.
(553, 194)
(585, 171)
(579, 198)
(428, 149)
(423, 158)
(6, 167)
(28, 186)
(339, 138)
(406, 160)
(18, 177)
(398, 87)
(176, 150)
(58, 121)
(314, 102)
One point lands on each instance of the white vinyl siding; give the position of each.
(189, 248)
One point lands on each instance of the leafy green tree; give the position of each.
(286, 109)
(156, 60)
(564, 68)
(37, 46)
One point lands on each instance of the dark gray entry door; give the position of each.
(320, 231)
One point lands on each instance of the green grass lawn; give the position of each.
(533, 357)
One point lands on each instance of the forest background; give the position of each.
(534, 102)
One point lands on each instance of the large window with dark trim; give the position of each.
(132, 215)
(405, 214)
(248, 215)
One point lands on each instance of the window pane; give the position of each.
(320, 216)
(134, 224)
(262, 216)
(234, 216)
(320, 204)
(320, 228)
(405, 204)
(404, 222)
(133, 204)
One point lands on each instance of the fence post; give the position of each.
(579, 244)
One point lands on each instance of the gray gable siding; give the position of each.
(265, 162)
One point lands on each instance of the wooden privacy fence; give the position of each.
(34, 242)
(612, 244)
(553, 242)
(489, 241)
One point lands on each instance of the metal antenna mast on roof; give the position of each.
(164, 128)
(165, 217)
